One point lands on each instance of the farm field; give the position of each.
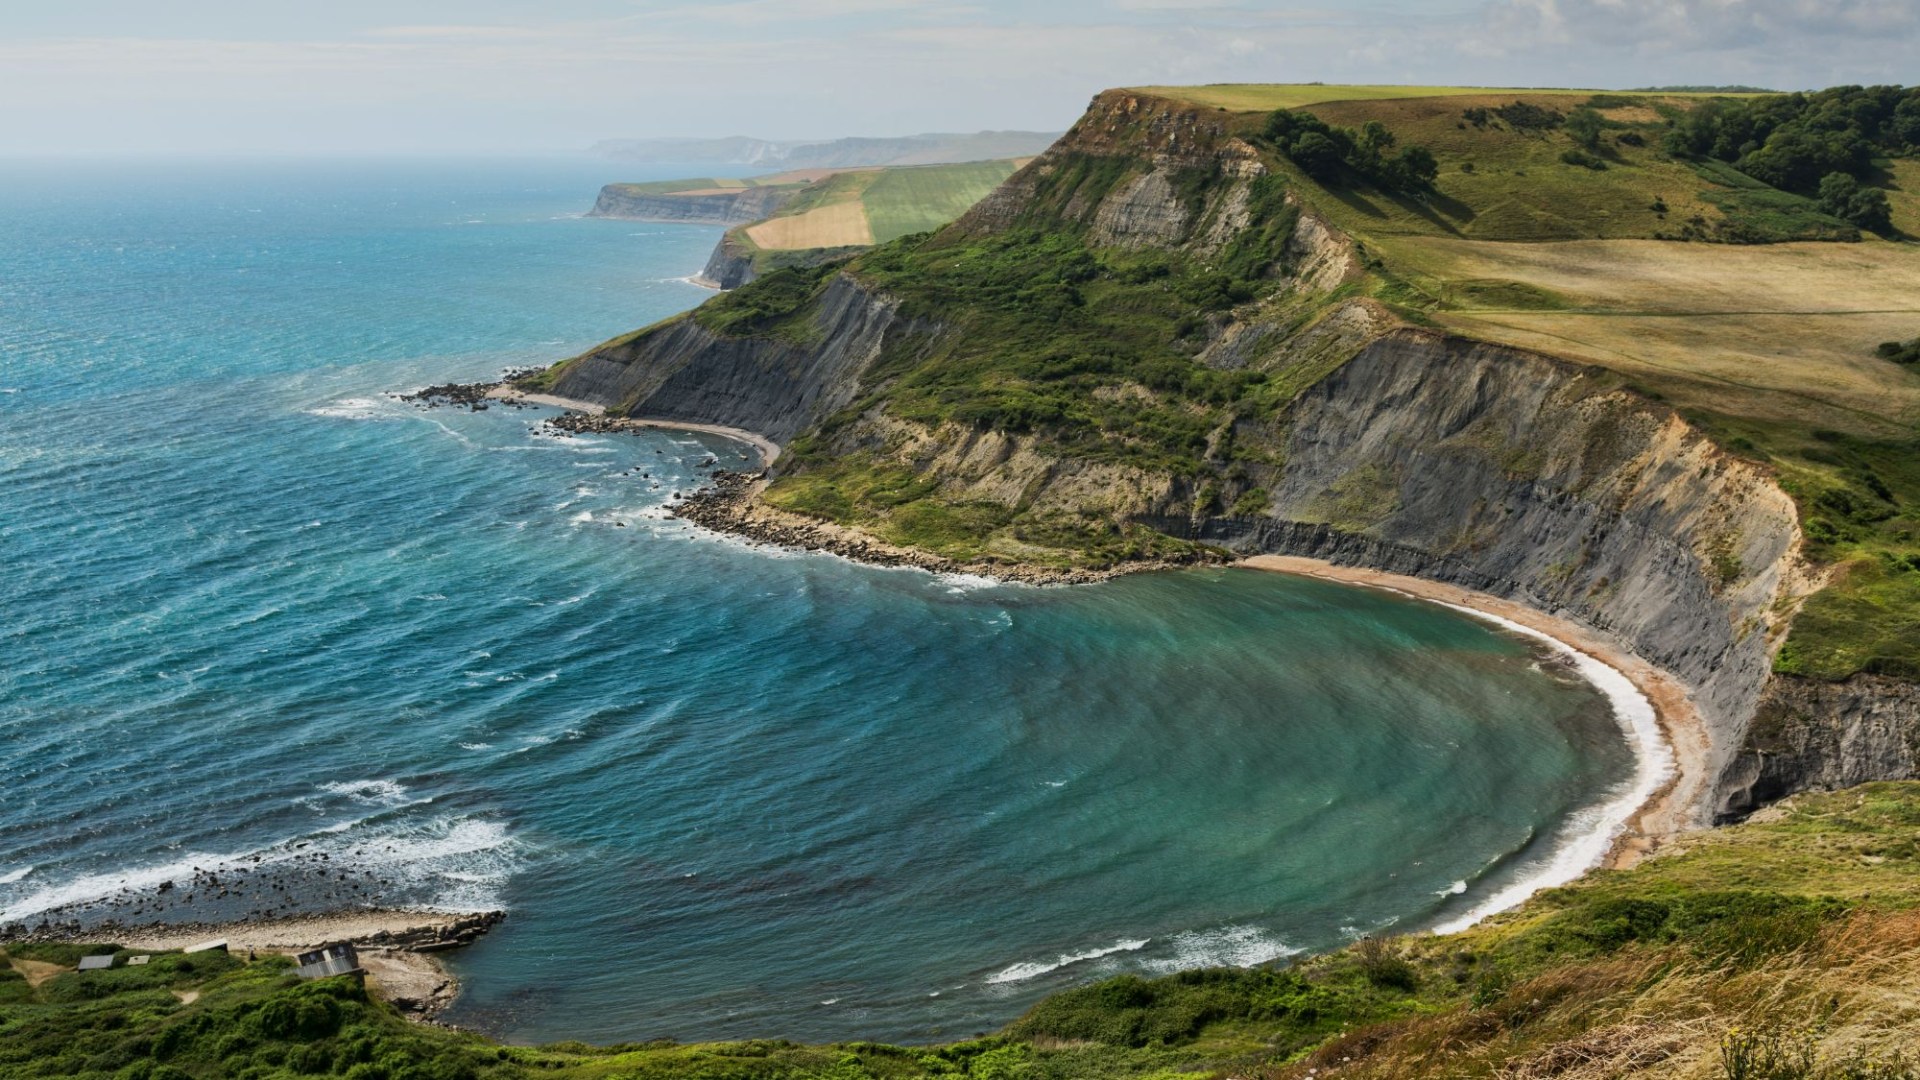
(1777, 332)
(857, 208)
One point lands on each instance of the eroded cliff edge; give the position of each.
(1391, 446)
(731, 207)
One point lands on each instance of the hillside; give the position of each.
(1527, 342)
(850, 210)
(1781, 948)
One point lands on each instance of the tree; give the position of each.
(1316, 154)
(1418, 164)
(1845, 198)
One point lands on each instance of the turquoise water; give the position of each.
(263, 620)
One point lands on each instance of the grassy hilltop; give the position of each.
(1780, 949)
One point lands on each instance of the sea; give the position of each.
(273, 640)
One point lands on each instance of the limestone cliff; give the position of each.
(728, 207)
(778, 387)
(731, 264)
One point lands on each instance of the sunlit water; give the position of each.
(262, 619)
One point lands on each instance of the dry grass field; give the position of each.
(836, 224)
(1778, 333)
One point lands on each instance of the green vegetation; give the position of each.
(1899, 352)
(705, 183)
(1259, 97)
(1795, 141)
(912, 200)
(1110, 355)
(858, 208)
(1330, 154)
(1788, 937)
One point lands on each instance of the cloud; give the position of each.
(1772, 26)
(440, 74)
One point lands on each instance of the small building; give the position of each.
(137, 961)
(339, 959)
(219, 945)
(95, 963)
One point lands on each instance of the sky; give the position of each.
(423, 77)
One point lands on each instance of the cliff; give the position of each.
(1152, 325)
(735, 206)
(731, 264)
(773, 385)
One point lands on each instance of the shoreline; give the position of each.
(730, 506)
(1671, 770)
(399, 949)
(768, 450)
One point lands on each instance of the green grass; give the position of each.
(698, 183)
(1808, 913)
(1266, 97)
(911, 200)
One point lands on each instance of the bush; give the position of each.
(1582, 159)
(1382, 964)
(1900, 352)
(1584, 125)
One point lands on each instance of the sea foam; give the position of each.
(1590, 833)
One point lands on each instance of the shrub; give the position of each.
(1900, 352)
(1584, 125)
(1382, 964)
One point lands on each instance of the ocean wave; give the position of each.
(448, 863)
(959, 584)
(382, 792)
(356, 408)
(1226, 946)
(1587, 835)
(1033, 969)
(12, 876)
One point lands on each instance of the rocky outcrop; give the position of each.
(729, 207)
(731, 264)
(776, 386)
(1808, 734)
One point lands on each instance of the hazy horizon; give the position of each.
(518, 78)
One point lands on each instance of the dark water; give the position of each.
(263, 620)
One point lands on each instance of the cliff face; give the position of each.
(1411, 451)
(722, 208)
(1517, 475)
(1810, 735)
(777, 387)
(731, 264)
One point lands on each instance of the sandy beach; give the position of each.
(1669, 810)
(768, 449)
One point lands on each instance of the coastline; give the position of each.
(1656, 712)
(398, 948)
(1666, 811)
(768, 450)
(731, 506)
